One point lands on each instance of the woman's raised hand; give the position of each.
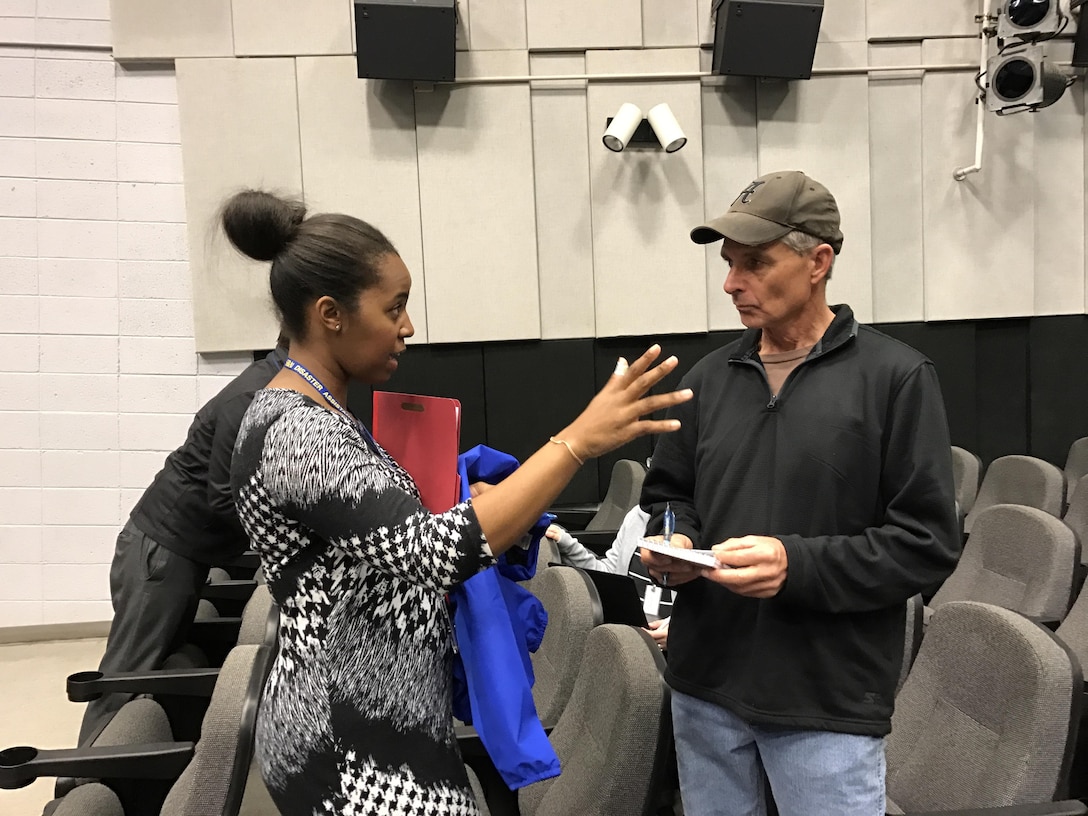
(615, 416)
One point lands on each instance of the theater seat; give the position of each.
(1022, 480)
(614, 736)
(986, 718)
(1020, 558)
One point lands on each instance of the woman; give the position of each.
(356, 714)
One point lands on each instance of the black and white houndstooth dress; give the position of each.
(356, 715)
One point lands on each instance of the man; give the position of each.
(815, 461)
(184, 523)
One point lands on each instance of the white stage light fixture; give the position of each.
(1031, 20)
(1023, 80)
(666, 128)
(622, 126)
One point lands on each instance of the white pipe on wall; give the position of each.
(961, 173)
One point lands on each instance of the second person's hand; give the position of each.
(670, 571)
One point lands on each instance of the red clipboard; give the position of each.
(422, 434)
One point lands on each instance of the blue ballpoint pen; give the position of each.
(669, 525)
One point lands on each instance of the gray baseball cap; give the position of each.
(772, 206)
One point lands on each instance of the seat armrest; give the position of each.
(21, 765)
(470, 744)
(90, 685)
(596, 541)
(574, 517)
(234, 590)
(242, 566)
(1066, 808)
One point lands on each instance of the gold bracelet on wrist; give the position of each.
(566, 444)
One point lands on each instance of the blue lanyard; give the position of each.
(309, 376)
(319, 386)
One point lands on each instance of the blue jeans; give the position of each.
(723, 762)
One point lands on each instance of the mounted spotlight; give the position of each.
(1031, 20)
(622, 126)
(1023, 80)
(666, 128)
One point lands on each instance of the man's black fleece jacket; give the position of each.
(850, 467)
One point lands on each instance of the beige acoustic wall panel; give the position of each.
(497, 25)
(670, 23)
(921, 18)
(564, 222)
(821, 126)
(842, 21)
(359, 157)
(649, 277)
(478, 204)
(729, 165)
(166, 29)
(979, 233)
(895, 155)
(239, 128)
(1059, 199)
(576, 24)
(287, 27)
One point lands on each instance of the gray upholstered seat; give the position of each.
(1076, 515)
(1017, 557)
(984, 717)
(1019, 480)
(966, 475)
(94, 799)
(574, 609)
(1076, 466)
(624, 488)
(613, 737)
(912, 637)
(214, 781)
(260, 619)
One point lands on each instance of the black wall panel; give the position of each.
(1059, 385)
(1010, 386)
(533, 391)
(1001, 376)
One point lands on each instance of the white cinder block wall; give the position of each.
(98, 365)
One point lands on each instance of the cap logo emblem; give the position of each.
(748, 192)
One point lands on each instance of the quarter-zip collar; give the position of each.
(841, 331)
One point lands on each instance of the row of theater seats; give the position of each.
(1022, 480)
(183, 745)
(987, 714)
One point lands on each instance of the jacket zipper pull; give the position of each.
(774, 401)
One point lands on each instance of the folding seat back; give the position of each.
(1021, 480)
(987, 717)
(614, 737)
(1019, 558)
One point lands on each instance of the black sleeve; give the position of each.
(228, 419)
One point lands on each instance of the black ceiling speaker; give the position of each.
(406, 39)
(766, 38)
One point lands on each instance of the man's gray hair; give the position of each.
(802, 243)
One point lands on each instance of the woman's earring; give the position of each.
(338, 327)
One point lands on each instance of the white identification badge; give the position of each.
(651, 601)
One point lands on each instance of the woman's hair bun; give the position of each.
(261, 224)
